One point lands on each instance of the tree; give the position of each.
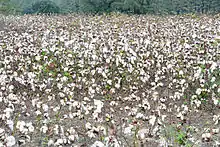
(44, 6)
(7, 7)
(101, 5)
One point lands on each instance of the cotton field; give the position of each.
(109, 81)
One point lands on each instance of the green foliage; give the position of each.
(46, 7)
(7, 7)
(108, 6)
(177, 135)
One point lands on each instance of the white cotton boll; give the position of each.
(62, 102)
(117, 85)
(194, 36)
(160, 84)
(128, 130)
(64, 79)
(216, 119)
(31, 128)
(109, 82)
(11, 87)
(180, 72)
(38, 58)
(45, 107)
(108, 60)
(58, 142)
(38, 112)
(93, 72)
(215, 131)
(152, 119)
(95, 115)
(59, 85)
(187, 46)
(98, 144)
(91, 90)
(214, 86)
(10, 141)
(3, 88)
(215, 101)
(10, 124)
(99, 104)
(206, 136)
(71, 137)
(44, 129)
(2, 131)
(66, 69)
(213, 66)
(198, 73)
(142, 72)
(147, 42)
(62, 95)
(157, 79)
(12, 97)
(197, 102)
(56, 129)
(198, 91)
(70, 55)
(180, 115)
(105, 49)
(139, 115)
(91, 134)
(112, 90)
(218, 90)
(50, 143)
(182, 81)
(52, 49)
(8, 112)
(117, 61)
(20, 125)
(169, 66)
(155, 95)
(213, 79)
(142, 133)
(88, 126)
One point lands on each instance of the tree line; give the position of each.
(106, 6)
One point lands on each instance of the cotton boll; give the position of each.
(128, 130)
(2, 131)
(180, 72)
(45, 107)
(98, 144)
(10, 141)
(38, 58)
(10, 124)
(50, 143)
(44, 129)
(152, 119)
(71, 137)
(58, 142)
(99, 104)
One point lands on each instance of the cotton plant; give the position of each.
(85, 69)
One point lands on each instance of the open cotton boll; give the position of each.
(98, 144)
(152, 119)
(99, 104)
(10, 124)
(10, 141)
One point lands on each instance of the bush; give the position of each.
(44, 6)
(7, 7)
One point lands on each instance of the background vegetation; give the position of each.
(106, 6)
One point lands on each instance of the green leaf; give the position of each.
(67, 74)
(43, 53)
